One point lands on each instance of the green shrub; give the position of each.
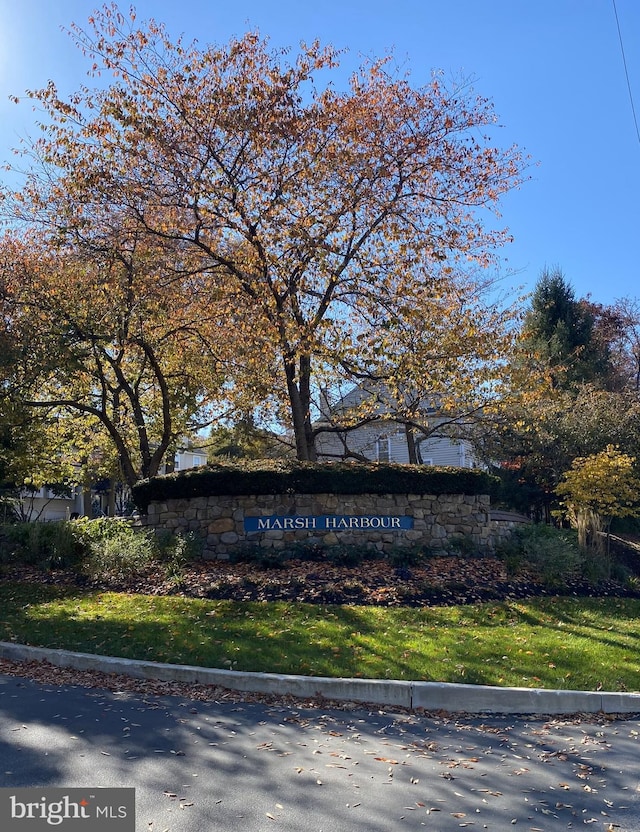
(403, 556)
(345, 554)
(619, 572)
(341, 554)
(625, 525)
(113, 548)
(9, 543)
(293, 477)
(306, 551)
(107, 547)
(462, 545)
(553, 553)
(174, 551)
(48, 545)
(632, 583)
(187, 545)
(9, 509)
(596, 568)
(264, 558)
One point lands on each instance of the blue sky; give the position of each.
(553, 69)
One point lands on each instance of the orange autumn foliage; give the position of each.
(333, 230)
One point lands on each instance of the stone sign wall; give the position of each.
(230, 523)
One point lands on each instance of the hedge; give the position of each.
(293, 477)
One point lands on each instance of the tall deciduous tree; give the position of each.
(340, 223)
(107, 344)
(626, 340)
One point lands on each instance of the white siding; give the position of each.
(371, 440)
(365, 442)
(189, 459)
(441, 452)
(44, 506)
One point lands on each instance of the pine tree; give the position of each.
(561, 331)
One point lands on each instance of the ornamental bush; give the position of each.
(553, 553)
(597, 489)
(294, 477)
(49, 545)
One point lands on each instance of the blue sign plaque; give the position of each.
(328, 522)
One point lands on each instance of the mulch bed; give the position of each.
(438, 581)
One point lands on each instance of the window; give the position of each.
(197, 460)
(383, 449)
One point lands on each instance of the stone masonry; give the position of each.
(220, 520)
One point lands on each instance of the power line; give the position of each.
(626, 71)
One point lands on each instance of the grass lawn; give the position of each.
(578, 644)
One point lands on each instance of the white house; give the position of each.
(189, 458)
(382, 439)
(47, 505)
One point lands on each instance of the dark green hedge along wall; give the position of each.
(289, 477)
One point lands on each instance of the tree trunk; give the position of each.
(86, 502)
(111, 505)
(412, 450)
(299, 391)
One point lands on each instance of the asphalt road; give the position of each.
(207, 766)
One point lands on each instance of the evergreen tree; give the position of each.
(561, 332)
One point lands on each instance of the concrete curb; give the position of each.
(431, 696)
